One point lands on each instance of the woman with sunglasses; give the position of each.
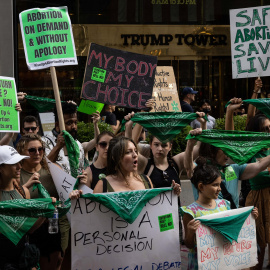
(35, 170)
(98, 168)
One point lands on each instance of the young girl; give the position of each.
(207, 180)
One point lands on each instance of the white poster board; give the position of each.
(165, 93)
(250, 41)
(216, 252)
(64, 183)
(101, 240)
(47, 122)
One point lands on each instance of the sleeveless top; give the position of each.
(162, 178)
(11, 194)
(108, 188)
(95, 174)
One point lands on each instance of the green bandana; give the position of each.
(240, 146)
(73, 153)
(42, 191)
(262, 104)
(229, 227)
(164, 125)
(18, 216)
(127, 205)
(41, 104)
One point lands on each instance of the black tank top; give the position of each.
(95, 174)
(161, 178)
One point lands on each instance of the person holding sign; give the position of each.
(122, 172)
(207, 180)
(109, 117)
(10, 169)
(35, 170)
(55, 142)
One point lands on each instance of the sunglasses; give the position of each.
(28, 128)
(165, 176)
(103, 144)
(34, 150)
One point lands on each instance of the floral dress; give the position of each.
(196, 210)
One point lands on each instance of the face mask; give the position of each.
(206, 110)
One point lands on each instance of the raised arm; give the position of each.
(234, 105)
(252, 109)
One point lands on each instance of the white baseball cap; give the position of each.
(8, 155)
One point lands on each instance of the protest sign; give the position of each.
(47, 122)
(250, 40)
(47, 37)
(118, 77)
(64, 183)
(216, 252)
(165, 91)
(101, 240)
(9, 119)
(90, 107)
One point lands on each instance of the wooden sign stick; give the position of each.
(58, 102)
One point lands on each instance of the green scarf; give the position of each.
(127, 205)
(73, 153)
(40, 103)
(18, 216)
(229, 227)
(262, 104)
(240, 146)
(42, 191)
(164, 125)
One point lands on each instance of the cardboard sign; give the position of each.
(216, 252)
(90, 107)
(9, 119)
(47, 37)
(118, 77)
(165, 91)
(101, 240)
(47, 122)
(64, 183)
(250, 41)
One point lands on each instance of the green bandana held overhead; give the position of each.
(262, 104)
(240, 146)
(73, 153)
(163, 125)
(229, 227)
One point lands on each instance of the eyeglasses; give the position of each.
(103, 144)
(165, 176)
(34, 150)
(28, 128)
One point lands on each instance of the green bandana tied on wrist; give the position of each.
(240, 146)
(73, 153)
(163, 125)
(262, 104)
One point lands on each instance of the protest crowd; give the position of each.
(62, 207)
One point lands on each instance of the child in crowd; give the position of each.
(207, 180)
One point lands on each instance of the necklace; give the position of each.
(210, 204)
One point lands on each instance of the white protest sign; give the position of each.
(216, 252)
(101, 240)
(64, 183)
(250, 40)
(47, 122)
(165, 93)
